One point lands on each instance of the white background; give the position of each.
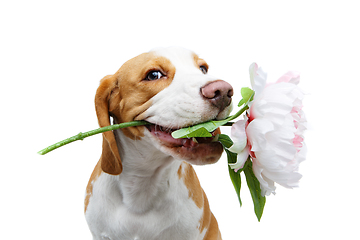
(53, 54)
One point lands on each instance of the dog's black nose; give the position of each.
(218, 93)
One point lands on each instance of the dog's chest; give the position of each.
(172, 214)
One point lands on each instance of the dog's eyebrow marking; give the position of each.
(200, 62)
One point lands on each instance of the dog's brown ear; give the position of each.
(110, 157)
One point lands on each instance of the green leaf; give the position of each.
(199, 130)
(234, 176)
(254, 187)
(225, 140)
(192, 132)
(247, 95)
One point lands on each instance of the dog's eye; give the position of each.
(153, 75)
(204, 69)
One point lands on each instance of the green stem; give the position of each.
(228, 124)
(81, 135)
(238, 113)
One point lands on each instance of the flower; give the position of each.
(272, 131)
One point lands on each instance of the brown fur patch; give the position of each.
(187, 173)
(110, 158)
(134, 92)
(213, 232)
(192, 183)
(89, 189)
(206, 217)
(124, 96)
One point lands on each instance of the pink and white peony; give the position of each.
(272, 132)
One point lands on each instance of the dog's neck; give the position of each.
(148, 174)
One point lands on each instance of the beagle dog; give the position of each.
(144, 186)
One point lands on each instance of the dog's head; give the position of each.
(170, 88)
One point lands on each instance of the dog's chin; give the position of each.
(198, 151)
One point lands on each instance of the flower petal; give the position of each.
(269, 160)
(238, 136)
(241, 159)
(256, 131)
(291, 77)
(285, 179)
(276, 129)
(275, 99)
(267, 185)
(257, 78)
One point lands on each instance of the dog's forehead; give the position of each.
(178, 56)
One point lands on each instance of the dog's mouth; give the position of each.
(164, 135)
(199, 150)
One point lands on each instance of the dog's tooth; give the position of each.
(215, 138)
(194, 139)
(186, 142)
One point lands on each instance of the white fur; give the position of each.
(146, 201)
(181, 104)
